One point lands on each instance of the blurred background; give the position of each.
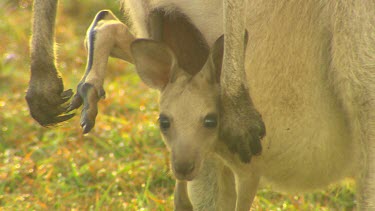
(122, 164)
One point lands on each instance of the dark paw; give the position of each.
(47, 101)
(89, 97)
(241, 126)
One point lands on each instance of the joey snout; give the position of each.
(184, 170)
(185, 164)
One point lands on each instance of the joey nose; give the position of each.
(184, 168)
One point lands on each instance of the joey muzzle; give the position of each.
(185, 163)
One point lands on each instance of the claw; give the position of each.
(48, 110)
(87, 128)
(257, 136)
(87, 122)
(67, 94)
(76, 103)
(244, 150)
(256, 147)
(63, 118)
(88, 119)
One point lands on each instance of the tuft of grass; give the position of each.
(123, 163)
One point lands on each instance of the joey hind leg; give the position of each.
(107, 36)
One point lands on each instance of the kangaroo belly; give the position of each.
(308, 142)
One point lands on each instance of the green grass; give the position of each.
(123, 163)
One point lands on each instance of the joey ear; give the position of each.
(217, 53)
(211, 70)
(154, 62)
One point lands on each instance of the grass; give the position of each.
(123, 163)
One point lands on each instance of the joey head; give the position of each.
(189, 104)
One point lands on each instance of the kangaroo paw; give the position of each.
(241, 126)
(47, 100)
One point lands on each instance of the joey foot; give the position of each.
(241, 125)
(47, 99)
(89, 96)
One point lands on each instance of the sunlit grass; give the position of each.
(122, 164)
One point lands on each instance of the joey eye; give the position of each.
(210, 121)
(164, 122)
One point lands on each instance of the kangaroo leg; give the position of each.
(246, 189)
(227, 190)
(107, 36)
(45, 96)
(181, 198)
(353, 77)
(240, 180)
(213, 190)
(204, 189)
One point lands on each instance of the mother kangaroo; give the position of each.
(310, 69)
